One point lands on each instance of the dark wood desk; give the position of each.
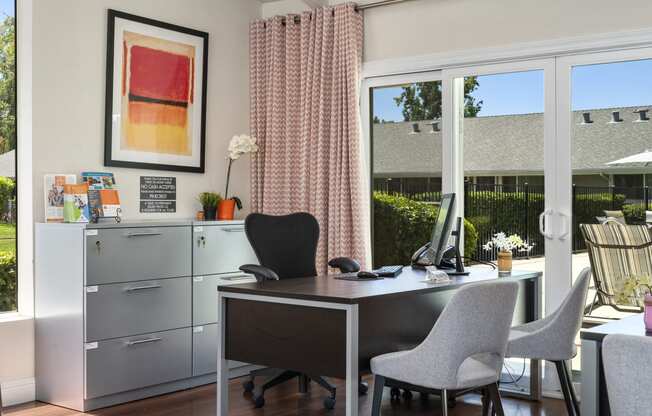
(332, 327)
(595, 400)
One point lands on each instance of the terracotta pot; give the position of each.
(504, 262)
(209, 213)
(226, 209)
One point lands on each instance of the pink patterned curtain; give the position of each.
(304, 73)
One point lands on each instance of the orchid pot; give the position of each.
(504, 262)
(505, 246)
(238, 146)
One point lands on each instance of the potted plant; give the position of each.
(209, 202)
(637, 291)
(506, 245)
(239, 145)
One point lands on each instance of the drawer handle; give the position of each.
(143, 341)
(233, 229)
(131, 235)
(137, 288)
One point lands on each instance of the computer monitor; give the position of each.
(442, 230)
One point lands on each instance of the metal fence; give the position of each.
(515, 209)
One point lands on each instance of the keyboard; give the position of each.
(389, 271)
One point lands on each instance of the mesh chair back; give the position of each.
(287, 244)
(617, 252)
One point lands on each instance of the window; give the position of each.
(8, 138)
(406, 166)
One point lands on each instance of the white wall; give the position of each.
(69, 87)
(68, 79)
(283, 7)
(421, 27)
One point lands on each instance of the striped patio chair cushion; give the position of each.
(617, 252)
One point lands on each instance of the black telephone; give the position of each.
(451, 260)
(420, 257)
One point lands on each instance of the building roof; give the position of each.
(511, 144)
(8, 164)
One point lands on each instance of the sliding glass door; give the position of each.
(605, 134)
(501, 131)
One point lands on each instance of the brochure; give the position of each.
(53, 189)
(98, 182)
(110, 202)
(75, 203)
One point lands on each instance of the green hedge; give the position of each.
(402, 225)
(7, 282)
(635, 213)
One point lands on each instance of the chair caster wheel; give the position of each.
(259, 402)
(407, 395)
(395, 393)
(329, 403)
(363, 387)
(248, 386)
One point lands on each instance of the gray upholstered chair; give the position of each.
(628, 372)
(464, 350)
(553, 337)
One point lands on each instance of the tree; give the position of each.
(8, 84)
(422, 101)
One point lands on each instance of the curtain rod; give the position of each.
(361, 7)
(379, 4)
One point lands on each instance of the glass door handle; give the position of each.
(543, 217)
(565, 220)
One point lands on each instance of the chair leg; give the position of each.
(279, 379)
(485, 402)
(325, 384)
(444, 402)
(379, 386)
(494, 393)
(565, 389)
(571, 389)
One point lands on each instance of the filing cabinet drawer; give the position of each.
(125, 309)
(204, 295)
(128, 254)
(125, 364)
(204, 350)
(220, 249)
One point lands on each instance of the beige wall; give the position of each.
(69, 44)
(69, 84)
(430, 26)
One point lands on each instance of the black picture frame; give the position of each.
(108, 125)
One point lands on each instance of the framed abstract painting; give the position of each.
(155, 94)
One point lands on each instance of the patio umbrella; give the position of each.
(639, 159)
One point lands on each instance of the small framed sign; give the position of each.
(158, 194)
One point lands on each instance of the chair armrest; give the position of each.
(345, 264)
(260, 272)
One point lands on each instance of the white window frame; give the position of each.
(25, 226)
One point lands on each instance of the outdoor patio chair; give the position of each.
(616, 253)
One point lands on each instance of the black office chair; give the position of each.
(286, 247)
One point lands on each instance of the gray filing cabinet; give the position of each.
(126, 311)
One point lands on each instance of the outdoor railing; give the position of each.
(515, 208)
